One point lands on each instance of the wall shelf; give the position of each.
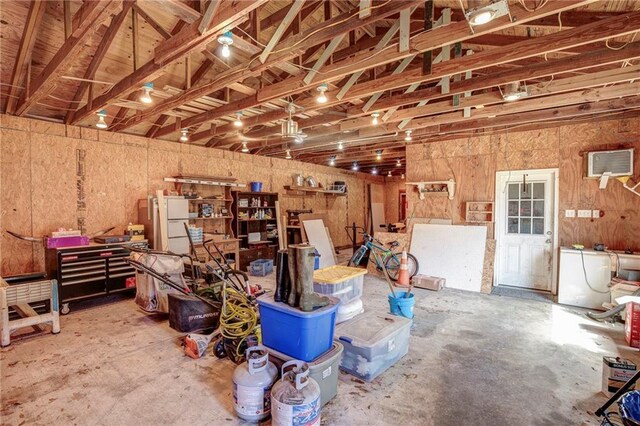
(436, 187)
(307, 190)
(479, 212)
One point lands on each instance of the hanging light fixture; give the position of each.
(389, 173)
(514, 91)
(290, 126)
(145, 97)
(245, 148)
(322, 97)
(332, 160)
(101, 124)
(484, 14)
(402, 176)
(184, 137)
(398, 163)
(226, 40)
(288, 156)
(340, 146)
(355, 166)
(379, 155)
(238, 121)
(374, 118)
(408, 137)
(374, 171)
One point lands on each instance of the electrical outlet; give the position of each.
(569, 213)
(595, 214)
(584, 213)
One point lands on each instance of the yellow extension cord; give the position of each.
(238, 319)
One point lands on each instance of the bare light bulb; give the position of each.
(238, 120)
(482, 17)
(340, 146)
(184, 137)
(145, 97)
(245, 148)
(355, 167)
(374, 117)
(288, 156)
(101, 124)
(374, 171)
(332, 161)
(322, 97)
(408, 136)
(379, 155)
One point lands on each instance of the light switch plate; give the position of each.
(584, 213)
(595, 214)
(569, 213)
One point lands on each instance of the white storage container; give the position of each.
(372, 343)
(323, 369)
(345, 283)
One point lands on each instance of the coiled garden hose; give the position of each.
(239, 318)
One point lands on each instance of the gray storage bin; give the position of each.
(323, 369)
(372, 343)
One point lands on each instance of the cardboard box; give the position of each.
(615, 373)
(428, 282)
(632, 324)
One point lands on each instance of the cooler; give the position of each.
(323, 369)
(372, 343)
(301, 335)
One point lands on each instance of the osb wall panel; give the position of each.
(473, 162)
(38, 192)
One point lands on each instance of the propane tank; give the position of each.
(295, 399)
(252, 381)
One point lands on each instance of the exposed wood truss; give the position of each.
(417, 66)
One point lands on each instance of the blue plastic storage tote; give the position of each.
(301, 335)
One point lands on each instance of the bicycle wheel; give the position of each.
(357, 256)
(392, 264)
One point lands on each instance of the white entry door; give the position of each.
(525, 228)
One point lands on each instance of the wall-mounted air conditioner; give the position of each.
(610, 163)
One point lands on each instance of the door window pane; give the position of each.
(513, 208)
(538, 226)
(526, 208)
(514, 191)
(538, 208)
(538, 191)
(513, 225)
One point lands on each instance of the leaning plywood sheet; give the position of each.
(453, 252)
(319, 238)
(377, 217)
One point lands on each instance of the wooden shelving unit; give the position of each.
(479, 212)
(244, 223)
(307, 190)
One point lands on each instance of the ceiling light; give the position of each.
(101, 124)
(402, 176)
(340, 146)
(374, 171)
(288, 156)
(245, 148)
(289, 126)
(184, 137)
(374, 118)
(298, 139)
(379, 155)
(332, 160)
(485, 14)
(408, 135)
(226, 40)
(398, 163)
(322, 97)
(514, 91)
(238, 121)
(145, 97)
(355, 166)
(389, 173)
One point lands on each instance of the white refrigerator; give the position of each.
(177, 209)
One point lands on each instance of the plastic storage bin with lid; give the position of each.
(323, 369)
(372, 343)
(301, 335)
(345, 283)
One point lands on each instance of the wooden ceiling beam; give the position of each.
(99, 54)
(177, 8)
(288, 49)
(23, 58)
(89, 16)
(149, 20)
(284, 24)
(539, 70)
(229, 13)
(434, 39)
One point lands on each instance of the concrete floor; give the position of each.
(473, 360)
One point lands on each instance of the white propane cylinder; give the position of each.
(252, 381)
(295, 398)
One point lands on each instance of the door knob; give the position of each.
(548, 241)
(548, 232)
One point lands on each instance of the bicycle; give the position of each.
(384, 257)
